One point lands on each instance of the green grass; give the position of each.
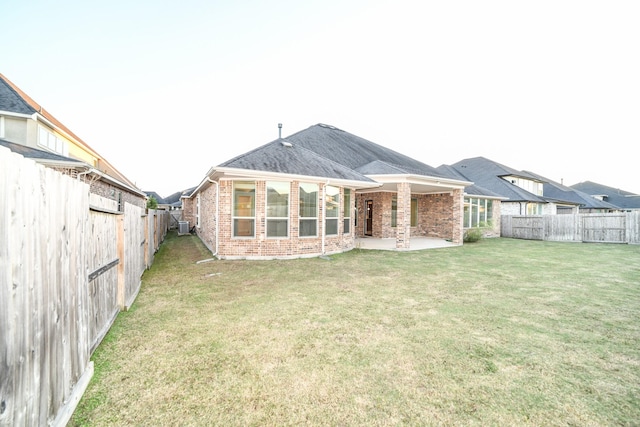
(500, 332)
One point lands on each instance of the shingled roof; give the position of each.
(559, 192)
(282, 156)
(488, 175)
(620, 198)
(41, 155)
(14, 100)
(358, 153)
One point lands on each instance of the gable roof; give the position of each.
(488, 174)
(620, 198)
(358, 153)
(560, 192)
(281, 156)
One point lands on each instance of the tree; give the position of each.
(152, 203)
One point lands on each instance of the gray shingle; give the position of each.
(291, 158)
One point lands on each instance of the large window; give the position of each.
(308, 213)
(477, 212)
(414, 212)
(347, 211)
(331, 210)
(278, 209)
(534, 209)
(244, 209)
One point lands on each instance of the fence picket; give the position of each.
(619, 227)
(53, 314)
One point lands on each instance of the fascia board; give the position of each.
(248, 173)
(419, 179)
(12, 114)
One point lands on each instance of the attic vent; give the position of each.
(286, 144)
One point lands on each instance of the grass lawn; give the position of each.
(499, 332)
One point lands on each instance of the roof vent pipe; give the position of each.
(279, 130)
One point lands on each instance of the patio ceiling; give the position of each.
(419, 184)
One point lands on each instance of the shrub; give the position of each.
(472, 235)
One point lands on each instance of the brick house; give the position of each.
(315, 192)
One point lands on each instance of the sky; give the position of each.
(167, 90)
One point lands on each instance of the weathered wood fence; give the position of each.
(69, 262)
(622, 227)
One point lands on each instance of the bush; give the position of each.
(472, 235)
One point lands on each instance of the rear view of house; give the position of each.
(315, 192)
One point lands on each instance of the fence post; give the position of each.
(121, 264)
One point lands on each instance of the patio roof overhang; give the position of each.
(420, 184)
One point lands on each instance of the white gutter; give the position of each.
(248, 173)
(419, 179)
(217, 232)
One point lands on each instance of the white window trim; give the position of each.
(233, 209)
(1, 126)
(336, 218)
(266, 210)
(309, 218)
(344, 191)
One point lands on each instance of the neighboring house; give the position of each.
(623, 200)
(315, 192)
(523, 192)
(570, 200)
(482, 207)
(29, 129)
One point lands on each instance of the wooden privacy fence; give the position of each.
(622, 227)
(69, 262)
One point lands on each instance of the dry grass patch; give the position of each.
(501, 332)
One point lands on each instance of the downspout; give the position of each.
(217, 212)
(324, 213)
(88, 171)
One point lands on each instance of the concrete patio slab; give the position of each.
(389, 244)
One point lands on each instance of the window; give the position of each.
(308, 210)
(50, 141)
(1, 126)
(278, 209)
(477, 212)
(414, 212)
(534, 209)
(198, 211)
(331, 210)
(244, 209)
(347, 212)
(394, 212)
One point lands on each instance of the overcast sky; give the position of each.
(166, 90)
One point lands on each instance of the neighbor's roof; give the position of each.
(358, 153)
(560, 192)
(282, 156)
(14, 100)
(471, 190)
(41, 155)
(620, 198)
(487, 174)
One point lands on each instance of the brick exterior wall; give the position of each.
(105, 189)
(439, 215)
(259, 246)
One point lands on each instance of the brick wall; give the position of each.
(259, 246)
(439, 215)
